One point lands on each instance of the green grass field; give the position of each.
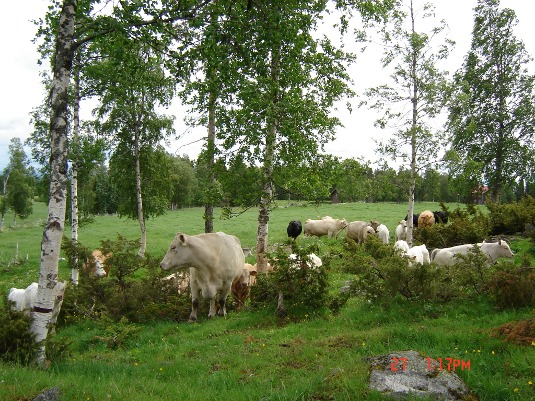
(250, 355)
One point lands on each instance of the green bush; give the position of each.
(513, 287)
(511, 218)
(135, 289)
(381, 274)
(305, 290)
(466, 226)
(16, 343)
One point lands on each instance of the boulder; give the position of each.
(52, 394)
(408, 373)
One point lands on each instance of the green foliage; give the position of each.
(513, 287)
(122, 294)
(305, 288)
(465, 226)
(16, 342)
(118, 335)
(381, 274)
(492, 105)
(511, 218)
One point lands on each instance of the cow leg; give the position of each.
(222, 300)
(213, 309)
(195, 300)
(222, 311)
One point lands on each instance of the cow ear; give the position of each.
(182, 238)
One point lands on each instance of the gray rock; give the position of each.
(407, 373)
(52, 394)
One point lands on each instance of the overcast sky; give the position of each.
(22, 90)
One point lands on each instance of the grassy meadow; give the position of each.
(251, 354)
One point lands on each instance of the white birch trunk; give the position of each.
(267, 190)
(410, 225)
(210, 146)
(74, 178)
(139, 199)
(54, 227)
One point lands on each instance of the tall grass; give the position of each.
(251, 354)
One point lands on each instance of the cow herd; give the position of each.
(217, 267)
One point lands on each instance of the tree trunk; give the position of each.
(139, 199)
(267, 189)
(210, 144)
(74, 167)
(54, 227)
(414, 131)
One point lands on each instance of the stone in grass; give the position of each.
(52, 394)
(405, 374)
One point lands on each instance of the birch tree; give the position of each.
(54, 227)
(62, 23)
(416, 95)
(132, 84)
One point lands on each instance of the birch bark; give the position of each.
(54, 227)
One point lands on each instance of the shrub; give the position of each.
(381, 273)
(513, 287)
(305, 290)
(134, 290)
(16, 343)
(511, 218)
(467, 226)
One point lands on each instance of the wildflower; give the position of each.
(516, 390)
(363, 343)
(493, 353)
(530, 382)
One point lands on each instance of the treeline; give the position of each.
(175, 182)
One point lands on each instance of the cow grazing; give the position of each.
(418, 254)
(25, 300)
(97, 263)
(401, 231)
(493, 251)
(440, 217)
(241, 286)
(358, 231)
(383, 233)
(326, 226)
(214, 260)
(402, 246)
(294, 229)
(426, 219)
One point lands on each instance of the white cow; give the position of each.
(25, 299)
(383, 233)
(402, 246)
(418, 254)
(326, 226)
(493, 251)
(401, 230)
(214, 260)
(359, 230)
